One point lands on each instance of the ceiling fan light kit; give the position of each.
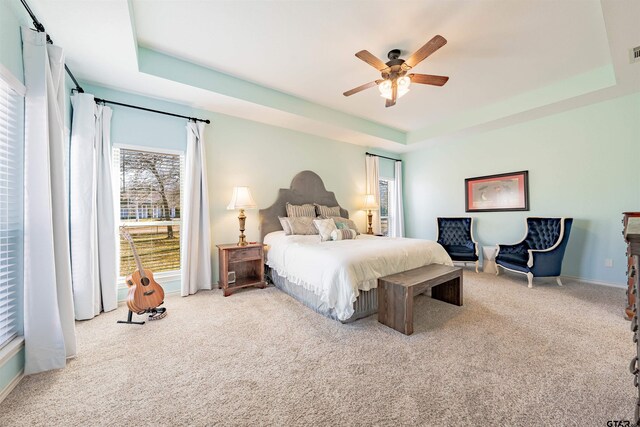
(395, 81)
(385, 87)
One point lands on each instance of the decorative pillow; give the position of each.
(301, 210)
(343, 234)
(285, 225)
(341, 225)
(327, 211)
(302, 225)
(325, 227)
(347, 223)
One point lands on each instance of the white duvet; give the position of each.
(337, 270)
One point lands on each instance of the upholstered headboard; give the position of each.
(306, 187)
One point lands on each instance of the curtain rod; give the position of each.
(384, 157)
(40, 28)
(104, 101)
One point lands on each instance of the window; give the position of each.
(150, 184)
(11, 181)
(386, 189)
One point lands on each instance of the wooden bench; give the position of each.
(396, 292)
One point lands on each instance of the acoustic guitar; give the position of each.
(145, 293)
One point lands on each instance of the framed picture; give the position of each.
(497, 193)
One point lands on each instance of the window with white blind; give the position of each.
(386, 193)
(11, 181)
(150, 195)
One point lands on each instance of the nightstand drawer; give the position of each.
(244, 254)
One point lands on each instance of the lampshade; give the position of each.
(241, 199)
(370, 202)
(403, 87)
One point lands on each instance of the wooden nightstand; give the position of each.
(246, 261)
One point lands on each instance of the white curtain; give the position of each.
(196, 245)
(396, 228)
(93, 231)
(49, 328)
(373, 187)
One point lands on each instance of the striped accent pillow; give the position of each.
(327, 211)
(345, 234)
(324, 227)
(301, 210)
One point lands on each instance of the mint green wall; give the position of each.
(11, 43)
(242, 152)
(582, 164)
(387, 168)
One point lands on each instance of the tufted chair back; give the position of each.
(455, 232)
(542, 232)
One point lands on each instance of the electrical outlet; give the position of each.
(608, 262)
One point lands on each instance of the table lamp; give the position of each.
(242, 200)
(369, 205)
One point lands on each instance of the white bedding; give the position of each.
(337, 270)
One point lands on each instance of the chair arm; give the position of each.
(518, 248)
(548, 258)
(551, 249)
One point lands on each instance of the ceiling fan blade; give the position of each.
(361, 88)
(394, 95)
(368, 57)
(432, 45)
(428, 79)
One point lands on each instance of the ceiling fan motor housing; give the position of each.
(394, 54)
(395, 65)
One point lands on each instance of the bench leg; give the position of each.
(395, 307)
(450, 291)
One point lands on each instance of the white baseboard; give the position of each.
(594, 282)
(9, 388)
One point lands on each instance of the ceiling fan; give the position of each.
(395, 80)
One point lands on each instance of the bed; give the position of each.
(337, 279)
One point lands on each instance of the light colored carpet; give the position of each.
(511, 356)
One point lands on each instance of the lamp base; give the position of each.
(241, 219)
(369, 222)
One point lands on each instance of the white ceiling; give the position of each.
(497, 51)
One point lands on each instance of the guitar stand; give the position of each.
(129, 320)
(154, 314)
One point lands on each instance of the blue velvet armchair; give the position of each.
(541, 251)
(456, 237)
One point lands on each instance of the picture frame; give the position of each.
(497, 193)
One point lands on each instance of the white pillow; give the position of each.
(325, 227)
(284, 222)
